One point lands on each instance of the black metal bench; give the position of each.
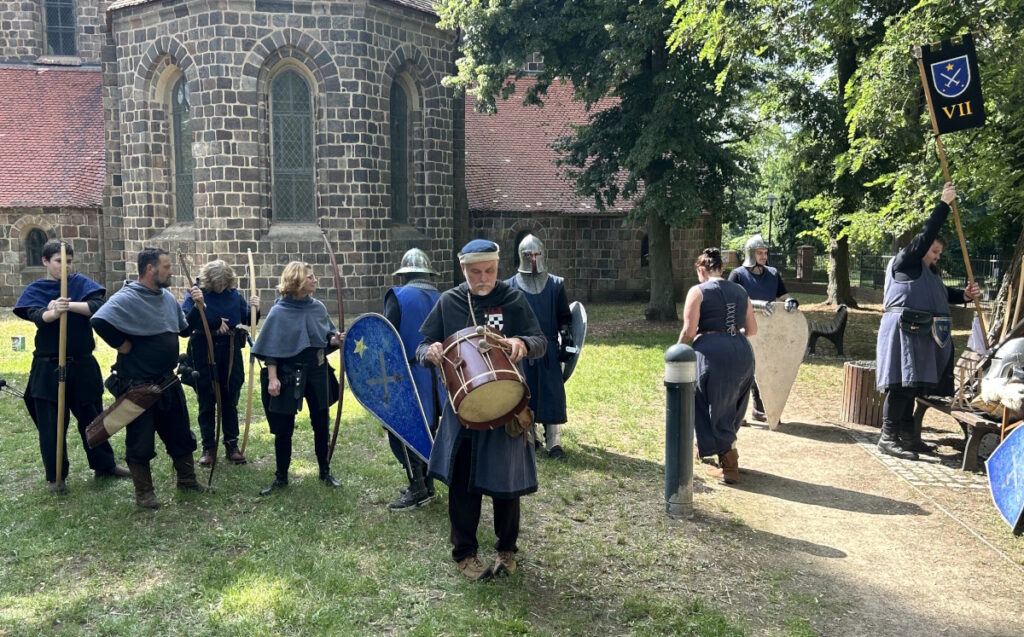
(833, 330)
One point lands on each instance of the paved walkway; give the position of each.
(926, 472)
(868, 536)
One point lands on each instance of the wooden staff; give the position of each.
(1020, 293)
(252, 359)
(1008, 310)
(945, 173)
(62, 362)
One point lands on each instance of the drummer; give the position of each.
(498, 462)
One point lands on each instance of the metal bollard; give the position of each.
(680, 384)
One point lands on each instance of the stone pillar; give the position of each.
(805, 264)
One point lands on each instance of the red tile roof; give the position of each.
(51, 137)
(509, 160)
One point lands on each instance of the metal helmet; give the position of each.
(531, 249)
(415, 261)
(1009, 355)
(754, 243)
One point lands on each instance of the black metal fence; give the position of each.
(868, 270)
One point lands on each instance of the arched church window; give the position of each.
(60, 27)
(515, 248)
(399, 153)
(292, 147)
(184, 209)
(645, 252)
(34, 242)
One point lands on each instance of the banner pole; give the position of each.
(945, 173)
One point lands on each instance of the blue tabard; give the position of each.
(725, 366)
(544, 375)
(913, 360)
(416, 303)
(759, 288)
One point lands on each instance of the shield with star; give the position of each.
(378, 374)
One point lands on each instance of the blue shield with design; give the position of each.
(379, 376)
(942, 330)
(951, 77)
(1005, 468)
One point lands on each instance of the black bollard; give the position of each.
(680, 384)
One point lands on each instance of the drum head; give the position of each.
(492, 404)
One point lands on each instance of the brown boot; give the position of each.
(730, 464)
(505, 564)
(474, 569)
(206, 459)
(143, 480)
(186, 470)
(232, 454)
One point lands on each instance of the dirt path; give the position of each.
(851, 526)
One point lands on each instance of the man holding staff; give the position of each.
(43, 304)
(914, 352)
(498, 462)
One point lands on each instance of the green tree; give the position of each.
(808, 53)
(668, 141)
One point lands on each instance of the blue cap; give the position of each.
(479, 250)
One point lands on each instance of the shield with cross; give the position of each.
(377, 368)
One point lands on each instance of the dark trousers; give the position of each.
(399, 451)
(755, 393)
(898, 410)
(167, 418)
(283, 427)
(100, 459)
(207, 416)
(464, 511)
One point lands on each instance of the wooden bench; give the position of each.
(833, 330)
(975, 426)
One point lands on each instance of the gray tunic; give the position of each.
(501, 466)
(912, 360)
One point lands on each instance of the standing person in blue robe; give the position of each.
(499, 462)
(717, 318)
(296, 338)
(914, 352)
(42, 304)
(545, 293)
(226, 308)
(406, 307)
(763, 284)
(143, 322)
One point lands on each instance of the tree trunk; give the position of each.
(839, 291)
(662, 306)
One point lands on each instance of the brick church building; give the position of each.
(209, 127)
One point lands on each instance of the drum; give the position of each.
(485, 388)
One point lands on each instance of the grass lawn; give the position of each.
(598, 555)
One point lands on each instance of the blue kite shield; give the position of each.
(951, 77)
(379, 377)
(1006, 479)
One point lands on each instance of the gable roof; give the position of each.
(509, 160)
(51, 137)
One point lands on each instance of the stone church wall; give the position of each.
(598, 255)
(228, 51)
(23, 31)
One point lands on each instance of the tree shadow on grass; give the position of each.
(754, 481)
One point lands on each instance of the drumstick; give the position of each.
(490, 338)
